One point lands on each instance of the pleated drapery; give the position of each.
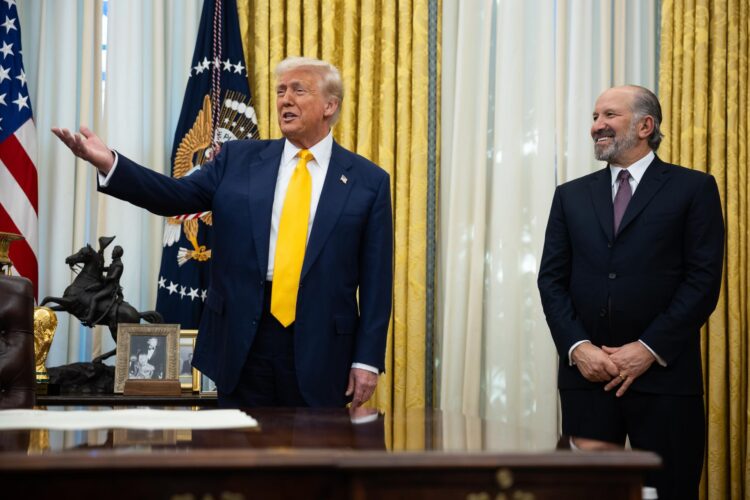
(705, 95)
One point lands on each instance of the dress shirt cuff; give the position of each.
(658, 358)
(572, 348)
(369, 368)
(104, 179)
(365, 417)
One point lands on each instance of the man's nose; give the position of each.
(598, 126)
(286, 97)
(600, 123)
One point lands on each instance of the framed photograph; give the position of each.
(189, 378)
(208, 386)
(146, 352)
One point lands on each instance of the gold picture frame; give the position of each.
(189, 376)
(146, 352)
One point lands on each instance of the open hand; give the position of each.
(87, 146)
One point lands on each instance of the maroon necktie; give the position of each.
(622, 198)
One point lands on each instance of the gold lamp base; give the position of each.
(5, 240)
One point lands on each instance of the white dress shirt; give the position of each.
(636, 170)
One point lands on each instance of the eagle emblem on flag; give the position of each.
(237, 120)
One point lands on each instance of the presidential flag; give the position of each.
(217, 108)
(18, 176)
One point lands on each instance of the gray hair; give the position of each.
(331, 83)
(645, 103)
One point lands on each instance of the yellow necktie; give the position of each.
(290, 242)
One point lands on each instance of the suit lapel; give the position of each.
(601, 196)
(264, 171)
(653, 179)
(332, 200)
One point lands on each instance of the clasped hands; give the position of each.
(619, 366)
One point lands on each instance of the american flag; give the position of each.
(18, 176)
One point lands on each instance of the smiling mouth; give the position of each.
(600, 140)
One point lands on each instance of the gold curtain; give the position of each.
(703, 86)
(381, 48)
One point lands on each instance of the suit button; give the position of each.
(612, 276)
(602, 312)
(609, 244)
(262, 283)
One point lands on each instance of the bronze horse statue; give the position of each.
(76, 298)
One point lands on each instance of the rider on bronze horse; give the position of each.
(95, 296)
(109, 288)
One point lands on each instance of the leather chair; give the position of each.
(17, 377)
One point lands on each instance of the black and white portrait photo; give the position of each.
(147, 357)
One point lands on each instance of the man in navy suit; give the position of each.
(631, 270)
(329, 345)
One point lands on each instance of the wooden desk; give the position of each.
(317, 454)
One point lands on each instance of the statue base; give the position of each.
(83, 378)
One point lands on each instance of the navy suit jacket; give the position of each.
(657, 280)
(349, 253)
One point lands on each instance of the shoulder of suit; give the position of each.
(683, 171)
(685, 177)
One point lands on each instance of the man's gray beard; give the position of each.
(613, 151)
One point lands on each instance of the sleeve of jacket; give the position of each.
(698, 293)
(554, 282)
(376, 280)
(164, 195)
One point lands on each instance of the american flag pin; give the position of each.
(344, 179)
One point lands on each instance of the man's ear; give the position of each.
(331, 106)
(646, 127)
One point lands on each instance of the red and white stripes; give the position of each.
(19, 203)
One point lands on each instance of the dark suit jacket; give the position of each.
(658, 280)
(349, 252)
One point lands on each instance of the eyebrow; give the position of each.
(293, 83)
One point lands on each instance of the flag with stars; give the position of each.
(217, 108)
(18, 175)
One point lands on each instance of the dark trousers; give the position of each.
(671, 426)
(269, 376)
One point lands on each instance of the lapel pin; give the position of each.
(343, 179)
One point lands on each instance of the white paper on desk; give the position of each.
(144, 419)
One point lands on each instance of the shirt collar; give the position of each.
(636, 170)
(320, 151)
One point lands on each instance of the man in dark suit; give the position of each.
(299, 301)
(631, 269)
